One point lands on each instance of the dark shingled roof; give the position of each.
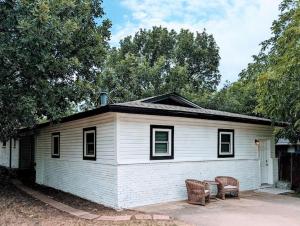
(179, 106)
(173, 105)
(140, 104)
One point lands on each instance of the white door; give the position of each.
(264, 161)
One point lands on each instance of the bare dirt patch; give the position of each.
(79, 203)
(18, 208)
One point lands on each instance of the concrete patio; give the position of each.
(252, 209)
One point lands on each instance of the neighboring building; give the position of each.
(140, 152)
(284, 145)
(288, 155)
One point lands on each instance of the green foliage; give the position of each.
(238, 97)
(53, 55)
(241, 96)
(158, 61)
(279, 85)
(50, 51)
(270, 86)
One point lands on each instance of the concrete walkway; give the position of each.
(83, 214)
(253, 209)
(274, 191)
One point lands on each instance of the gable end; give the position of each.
(171, 99)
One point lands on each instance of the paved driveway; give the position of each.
(253, 209)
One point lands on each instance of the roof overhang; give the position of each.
(160, 112)
(163, 112)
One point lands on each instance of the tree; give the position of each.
(270, 86)
(50, 53)
(240, 96)
(157, 61)
(279, 86)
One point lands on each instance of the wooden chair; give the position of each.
(227, 185)
(198, 192)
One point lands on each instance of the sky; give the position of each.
(238, 26)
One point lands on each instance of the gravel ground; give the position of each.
(18, 208)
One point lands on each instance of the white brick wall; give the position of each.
(143, 184)
(92, 181)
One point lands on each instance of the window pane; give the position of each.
(90, 150)
(4, 143)
(225, 148)
(225, 137)
(90, 137)
(55, 145)
(161, 148)
(161, 136)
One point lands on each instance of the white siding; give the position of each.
(143, 181)
(4, 154)
(93, 180)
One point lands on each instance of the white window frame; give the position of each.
(52, 144)
(85, 143)
(169, 142)
(220, 143)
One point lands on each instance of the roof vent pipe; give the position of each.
(103, 99)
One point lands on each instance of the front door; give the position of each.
(264, 161)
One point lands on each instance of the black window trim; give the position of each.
(52, 143)
(218, 151)
(152, 157)
(94, 128)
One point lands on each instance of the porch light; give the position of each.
(256, 142)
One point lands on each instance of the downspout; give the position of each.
(10, 152)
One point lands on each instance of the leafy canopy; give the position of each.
(53, 55)
(279, 85)
(50, 51)
(240, 96)
(158, 61)
(270, 86)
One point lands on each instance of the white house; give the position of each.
(9, 153)
(140, 152)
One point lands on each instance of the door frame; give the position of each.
(269, 158)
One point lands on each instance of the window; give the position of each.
(4, 144)
(55, 145)
(225, 143)
(89, 143)
(161, 142)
